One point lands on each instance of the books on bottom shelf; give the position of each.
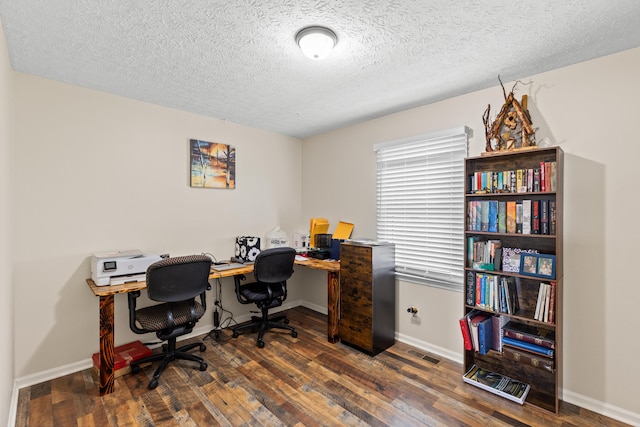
(501, 385)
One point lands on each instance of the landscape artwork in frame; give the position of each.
(213, 164)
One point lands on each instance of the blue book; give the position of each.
(526, 346)
(493, 216)
(485, 335)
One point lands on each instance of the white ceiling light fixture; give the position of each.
(316, 42)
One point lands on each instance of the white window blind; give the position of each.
(420, 205)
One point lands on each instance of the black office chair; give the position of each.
(271, 270)
(175, 282)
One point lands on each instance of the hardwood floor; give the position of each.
(302, 381)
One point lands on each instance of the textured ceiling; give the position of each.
(237, 60)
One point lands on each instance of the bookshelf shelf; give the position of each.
(514, 187)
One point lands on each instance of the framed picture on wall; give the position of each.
(213, 164)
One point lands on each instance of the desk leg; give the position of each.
(106, 345)
(333, 305)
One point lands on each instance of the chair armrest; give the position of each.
(132, 296)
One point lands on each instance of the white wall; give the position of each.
(6, 197)
(590, 110)
(100, 172)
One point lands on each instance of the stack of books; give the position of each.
(529, 344)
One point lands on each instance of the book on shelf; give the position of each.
(552, 302)
(526, 216)
(484, 215)
(547, 295)
(552, 217)
(511, 217)
(523, 345)
(521, 186)
(493, 216)
(471, 288)
(535, 217)
(499, 384)
(544, 216)
(502, 216)
(466, 333)
(485, 335)
(497, 325)
(543, 337)
(511, 353)
(511, 295)
(519, 217)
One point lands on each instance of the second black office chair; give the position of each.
(175, 282)
(271, 270)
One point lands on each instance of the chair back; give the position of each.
(274, 265)
(179, 278)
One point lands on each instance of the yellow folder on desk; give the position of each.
(317, 226)
(343, 230)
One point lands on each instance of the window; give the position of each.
(420, 205)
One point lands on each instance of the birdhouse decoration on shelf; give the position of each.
(512, 128)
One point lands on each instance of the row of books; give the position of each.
(533, 345)
(545, 304)
(540, 179)
(492, 292)
(512, 217)
(484, 254)
(481, 331)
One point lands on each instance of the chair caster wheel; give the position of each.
(135, 369)
(235, 334)
(203, 366)
(286, 321)
(294, 334)
(202, 348)
(153, 384)
(260, 344)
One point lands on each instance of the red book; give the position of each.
(543, 181)
(552, 303)
(466, 335)
(535, 220)
(530, 334)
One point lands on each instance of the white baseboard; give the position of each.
(447, 354)
(574, 398)
(602, 408)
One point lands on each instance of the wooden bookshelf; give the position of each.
(545, 383)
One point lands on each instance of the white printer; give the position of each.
(118, 267)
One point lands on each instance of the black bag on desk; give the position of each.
(247, 248)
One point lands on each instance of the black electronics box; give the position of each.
(319, 253)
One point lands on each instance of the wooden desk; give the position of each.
(106, 311)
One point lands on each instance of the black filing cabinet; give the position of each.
(367, 295)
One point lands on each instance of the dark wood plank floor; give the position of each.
(292, 382)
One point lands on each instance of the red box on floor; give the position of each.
(123, 356)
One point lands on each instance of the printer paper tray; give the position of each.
(120, 280)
